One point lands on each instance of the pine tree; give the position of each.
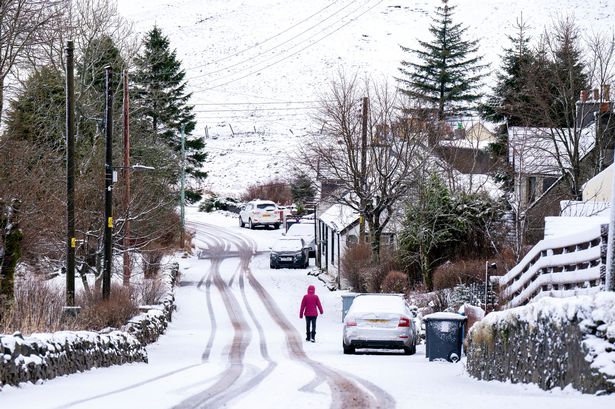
(37, 114)
(447, 73)
(509, 99)
(569, 76)
(161, 98)
(302, 189)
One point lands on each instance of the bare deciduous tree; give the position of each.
(373, 180)
(21, 23)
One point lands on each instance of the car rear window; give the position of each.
(372, 303)
(266, 206)
(300, 228)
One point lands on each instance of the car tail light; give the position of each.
(404, 322)
(351, 322)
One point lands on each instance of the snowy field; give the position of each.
(194, 357)
(257, 68)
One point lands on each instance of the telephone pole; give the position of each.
(108, 251)
(363, 169)
(182, 194)
(70, 175)
(127, 175)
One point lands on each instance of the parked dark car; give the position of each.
(289, 252)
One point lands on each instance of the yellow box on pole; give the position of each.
(110, 222)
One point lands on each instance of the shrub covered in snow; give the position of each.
(553, 343)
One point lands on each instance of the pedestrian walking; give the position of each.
(310, 305)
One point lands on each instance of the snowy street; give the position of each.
(236, 341)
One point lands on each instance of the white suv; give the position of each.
(260, 213)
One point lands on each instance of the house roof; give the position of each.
(532, 150)
(339, 217)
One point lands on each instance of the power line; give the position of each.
(288, 56)
(265, 40)
(282, 43)
(255, 103)
(254, 110)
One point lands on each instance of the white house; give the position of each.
(337, 228)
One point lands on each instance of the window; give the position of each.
(531, 189)
(332, 247)
(547, 183)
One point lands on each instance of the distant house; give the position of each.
(465, 148)
(540, 189)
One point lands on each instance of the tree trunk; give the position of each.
(12, 251)
(1, 97)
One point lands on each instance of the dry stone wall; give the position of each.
(47, 355)
(552, 343)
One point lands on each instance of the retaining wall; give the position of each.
(552, 343)
(47, 355)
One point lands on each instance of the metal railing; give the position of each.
(559, 267)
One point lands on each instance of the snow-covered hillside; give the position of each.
(256, 67)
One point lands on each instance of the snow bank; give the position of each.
(47, 355)
(552, 342)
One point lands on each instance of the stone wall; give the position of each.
(552, 343)
(47, 355)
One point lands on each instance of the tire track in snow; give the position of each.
(347, 391)
(225, 389)
(241, 337)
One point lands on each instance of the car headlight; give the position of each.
(275, 255)
(298, 255)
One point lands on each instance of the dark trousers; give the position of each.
(310, 327)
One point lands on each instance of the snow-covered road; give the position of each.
(236, 341)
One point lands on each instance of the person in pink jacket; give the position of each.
(310, 305)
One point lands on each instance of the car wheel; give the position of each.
(276, 226)
(407, 350)
(273, 266)
(348, 350)
(250, 225)
(241, 223)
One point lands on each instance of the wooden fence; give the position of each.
(559, 267)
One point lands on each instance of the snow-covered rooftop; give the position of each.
(537, 150)
(339, 217)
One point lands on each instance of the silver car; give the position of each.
(381, 321)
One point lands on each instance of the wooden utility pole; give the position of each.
(363, 169)
(182, 193)
(70, 175)
(127, 175)
(108, 244)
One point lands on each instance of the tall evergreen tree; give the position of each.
(446, 72)
(509, 99)
(37, 114)
(569, 74)
(161, 98)
(302, 189)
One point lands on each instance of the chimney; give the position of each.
(584, 95)
(596, 94)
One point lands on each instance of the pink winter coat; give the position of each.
(309, 304)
